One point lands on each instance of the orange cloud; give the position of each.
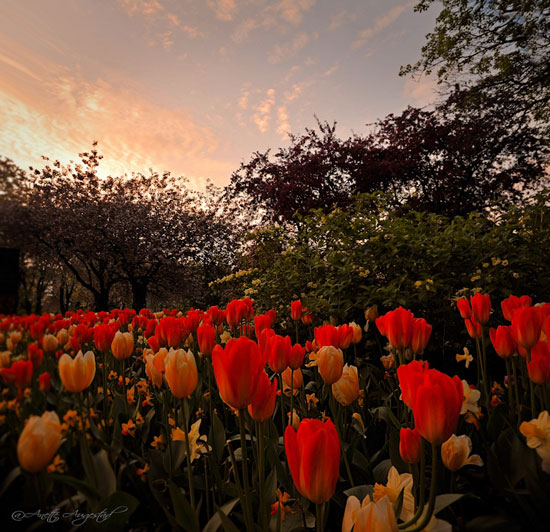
(262, 116)
(421, 92)
(142, 7)
(223, 9)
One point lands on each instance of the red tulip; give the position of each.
(169, 332)
(296, 310)
(277, 352)
(397, 326)
(261, 409)
(103, 336)
(539, 365)
(474, 328)
(296, 358)
(527, 324)
(510, 304)
(44, 382)
(345, 336)
(36, 355)
(463, 306)
(409, 445)
(19, 374)
(206, 336)
(153, 343)
(410, 377)
(420, 335)
(327, 335)
(237, 369)
(215, 315)
(313, 454)
(307, 317)
(503, 341)
(436, 401)
(261, 322)
(481, 308)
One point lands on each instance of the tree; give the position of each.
(493, 47)
(113, 230)
(448, 160)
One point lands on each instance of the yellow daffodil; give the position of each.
(466, 357)
(392, 489)
(471, 397)
(369, 516)
(197, 443)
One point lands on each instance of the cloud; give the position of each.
(63, 114)
(283, 126)
(18, 66)
(420, 92)
(224, 9)
(292, 11)
(243, 100)
(142, 7)
(331, 70)
(262, 116)
(243, 30)
(340, 19)
(381, 23)
(280, 52)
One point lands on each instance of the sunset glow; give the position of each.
(195, 87)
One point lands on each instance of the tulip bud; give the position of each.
(49, 343)
(181, 372)
(294, 422)
(62, 337)
(296, 310)
(481, 308)
(455, 453)
(39, 441)
(44, 382)
(409, 445)
(371, 313)
(330, 363)
(261, 409)
(296, 357)
(346, 388)
(122, 345)
(357, 333)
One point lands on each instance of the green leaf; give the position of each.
(360, 491)
(117, 509)
(186, 516)
(85, 488)
(215, 522)
(380, 472)
(10, 477)
(227, 524)
(446, 499)
(217, 436)
(398, 505)
(105, 476)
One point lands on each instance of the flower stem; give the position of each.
(246, 490)
(320, 520)
(188, 456)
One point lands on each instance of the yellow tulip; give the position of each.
(39, 441)
(181, 372)
(331, 363)
(346, 388)
(123, 345)
(455, 453)
(77, 373)
(49, 343)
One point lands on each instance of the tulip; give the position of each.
(181, 372)
(473, 327)
(39, 441)
(420, 336)
(481, 308)
(357, 332)
(539, 365)
(236, 312)
(346, 389)
(277, 352)
(345, 336)
(409, 445)
(330, 363)
(19, 374)
(307, 317)
(527, 325)
(369, 516)
(62, 337)
(206, 336)
(313, 454)
(36, 355)
(49, 343)
(169, 331)
(237, 369)
(263, 406)
(152, 372)
(327, 335)
(265, 335)
(397, 326)
(296, 358)
(503, 341)
(77, 373)
(261, 322)
(435, 398)
(297, 379)
(122, 345)
(463, 306)
(296, 310)
(371, 313)
(455, 453)
(44, 382)
(103, 336)
(510, 304)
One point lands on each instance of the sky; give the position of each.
(194, 87)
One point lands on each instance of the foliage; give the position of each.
(342, 262)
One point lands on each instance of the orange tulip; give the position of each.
(151, 371)
(346, 388)
(330, 363)
(261, 409)
(123, 345)
(49, 343)
(297, 380)
(77, 373)
(313, 454)
(237, 369)
(39, 441)
(181, 372)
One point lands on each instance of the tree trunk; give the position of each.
(139, 295)
(101, 300)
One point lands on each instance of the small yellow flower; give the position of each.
(142, 387)
(129, 428)
(158, 442)
(475, 278)
(130, 395)
(113, 375)
(311, 400)
(466, 357)
(142, 472)
(57, 466)
(282, 499)
(504, 263)
(515, 275)
(485, 264)
(139, 419)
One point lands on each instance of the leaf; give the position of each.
(176, 455)
(398, 505)
(380, 472)
(217, 436)
(270, 485)
(360, 491)
(215, 522)
(227, 524)
(186, 516)
(10, 477)
(118, 507)
(105, 476)
(446, 499)
(83, 487)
